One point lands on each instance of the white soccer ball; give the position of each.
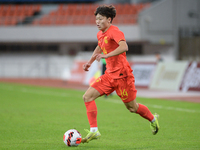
(72, 138)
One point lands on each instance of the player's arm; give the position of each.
(92, 59)
(123, 47)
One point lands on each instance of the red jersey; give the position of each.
(116, 66)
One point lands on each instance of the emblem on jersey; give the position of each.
(104, 50)
(105, 40)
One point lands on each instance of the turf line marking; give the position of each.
(25, 90)
(155, 106)
(174, 108)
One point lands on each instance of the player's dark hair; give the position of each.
(107, 11)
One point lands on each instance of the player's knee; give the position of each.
(132, 106)
(86, 98)
(132, 110)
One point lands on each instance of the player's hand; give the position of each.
(86, 66)
(100, 56)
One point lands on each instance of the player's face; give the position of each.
(103, 23)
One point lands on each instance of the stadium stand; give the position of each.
(81, 14)
(65, 14)
(15, 14)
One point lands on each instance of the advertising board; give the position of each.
(168, 75)
(191, 79)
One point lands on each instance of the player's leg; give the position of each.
(140, 109)
(91, 94)
(144, 112)
(101, 86)
(127, 92)
(89, 98)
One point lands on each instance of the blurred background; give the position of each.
(52, 39)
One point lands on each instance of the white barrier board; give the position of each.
(168, 75)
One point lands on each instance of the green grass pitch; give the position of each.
(35, 118)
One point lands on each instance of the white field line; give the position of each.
(166, 94)
(59, 94)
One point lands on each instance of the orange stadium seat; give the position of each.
(37, 8)
(1, 13)
(2, 21)
(36, 22)
(59, 20)
(9, 21)
(53, 13)
(92, 21)
(45, 20)
(115, 21)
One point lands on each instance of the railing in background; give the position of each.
(65, 14)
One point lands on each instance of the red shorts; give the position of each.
(124, 87)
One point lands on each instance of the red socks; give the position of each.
(145, 112)
(91, 113)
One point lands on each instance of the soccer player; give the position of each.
(118, 75)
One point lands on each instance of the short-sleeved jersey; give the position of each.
(116, 66)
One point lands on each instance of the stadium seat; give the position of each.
(36, 22)
(9, 21)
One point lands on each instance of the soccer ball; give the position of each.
(72, 138)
